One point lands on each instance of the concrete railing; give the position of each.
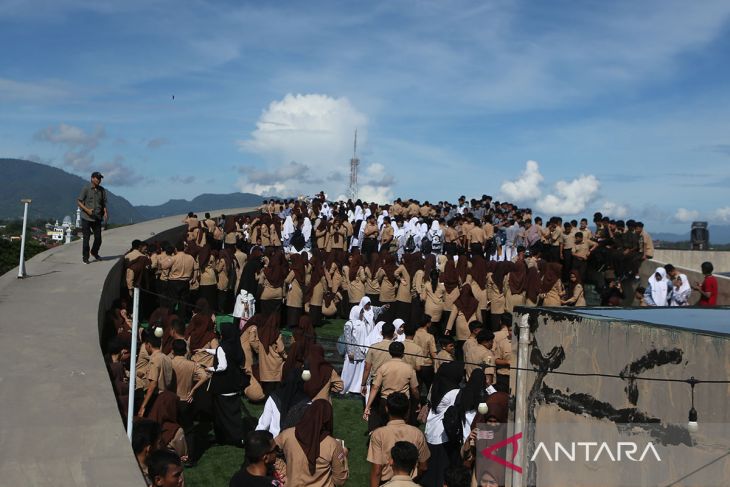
(693, 259)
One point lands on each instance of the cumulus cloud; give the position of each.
(526, 187)
(722, 214)
(157, 142)
(567, 198)
(614, 210)
(79, 147)
(570, 197)
(306, 142)
(684, 215)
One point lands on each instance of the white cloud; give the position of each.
(306, 141)
(157, 142)
(526, 187)
(79, 144)
(571, 197)
(684, 215)
(722, 214)
(614, 210)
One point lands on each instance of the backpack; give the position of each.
(452, 424)
(410, 244)
(297, 240)
(436, 242)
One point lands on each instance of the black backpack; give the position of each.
(297, 240)
(410, 244)
(453, 425)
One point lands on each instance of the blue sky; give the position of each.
(623, 106)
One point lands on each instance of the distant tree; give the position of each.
(10, 253)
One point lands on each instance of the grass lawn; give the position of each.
(219, 463)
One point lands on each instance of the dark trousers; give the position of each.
(86, 228)
(567, 263)
(292, 316)
(425, 379)
(459, 349)
(227, 420)
(209, 292)
(179, 294)
(378, 416)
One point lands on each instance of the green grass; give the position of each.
(219, 463)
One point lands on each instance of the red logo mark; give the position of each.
(514, 440)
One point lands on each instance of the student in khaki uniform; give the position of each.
(324, 380)
(516, 283)
(159, 375)
(582, 249)
(446, 354)
(576, 296)
(384, 438)
(481, 355)
(404, 458)
(433, 294)
(354, 276)
(552, 288)
(478, 280)
(269, 346)
(393, 376)
(295, 283)
(502, 348)
(134, 256)
(386, 235)
(474, 328)
(272, 282)
(424, 339)
(464, 311)
(313, 457)
(377, 354)
(388, 284)
(189, 376)
(495, 290)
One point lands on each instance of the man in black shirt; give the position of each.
(260, 456)
(92, 201)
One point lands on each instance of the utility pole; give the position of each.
(21, 265)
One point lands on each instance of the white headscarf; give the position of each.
(288, 228)
(307, 229)
(382, 217)
(680, 295)
(399, 337)
(369, 315)
(376, 334)
(659, 288)
(358, 213)
(359, 328)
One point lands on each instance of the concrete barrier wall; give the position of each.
(606, 346)
(693, 259)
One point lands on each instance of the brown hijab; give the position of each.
(518, 277)
(478, 271)
(355, 264)
(413, 263)
(532, 284)
(450, 277)
(164, 411)
(299, 266)
(320, 368)
(390, 266)
(315, 425)
(277, 270)
(269, 333)
(466, 302)
(498, 270)
(550, 276)
(317, 275)
(462, 268)
(304, 336)
(200, 329)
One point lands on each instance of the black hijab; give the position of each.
(447, 379)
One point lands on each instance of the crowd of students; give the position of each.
(427, 292)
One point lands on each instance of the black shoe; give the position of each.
(96, 257)
(85, 261)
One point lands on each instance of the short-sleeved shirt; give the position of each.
(160, 369)
(187, 373)
(384, 438)
(413, 353)
(709, 285)
(94, 198)
(479, 354)
(377, 355)
(395, 376)
(331, 467)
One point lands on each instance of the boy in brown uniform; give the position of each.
(385, 437)
(404, 457)
(446, 354)
(159, 373)
(376, 356)
(393, 376)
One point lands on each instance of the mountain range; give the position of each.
(53, 192)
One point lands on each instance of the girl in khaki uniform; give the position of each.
(464, 310)
(552, 288)
(515, 286)
(478, 280)
(333, 282)
(265, 341)
(296, 282)
(372, 285)
(388, 285)
(450, 279)
(577, 296)
(433, 298)
(315, 292)
(402, 306)
(272, 282)
(355, 279)
(208, 279)
(495, 291)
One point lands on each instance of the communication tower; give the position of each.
(354, 163)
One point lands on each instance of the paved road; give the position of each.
(59, 424)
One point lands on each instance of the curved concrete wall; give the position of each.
(693, 259)
(59, 423)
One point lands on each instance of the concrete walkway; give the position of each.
(59, 424)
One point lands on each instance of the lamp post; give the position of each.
(21, 265)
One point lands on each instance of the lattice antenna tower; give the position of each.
(354, 163)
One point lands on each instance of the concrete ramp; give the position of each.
(60, 424)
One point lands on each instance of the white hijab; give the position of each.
(358, 214)
(399, 337)
(369, 314)
(307, 228)
(659, 287)
(359, 328)
(376, 334)
(288, 228)
(381, 218)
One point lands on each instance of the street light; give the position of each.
(21, 265)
